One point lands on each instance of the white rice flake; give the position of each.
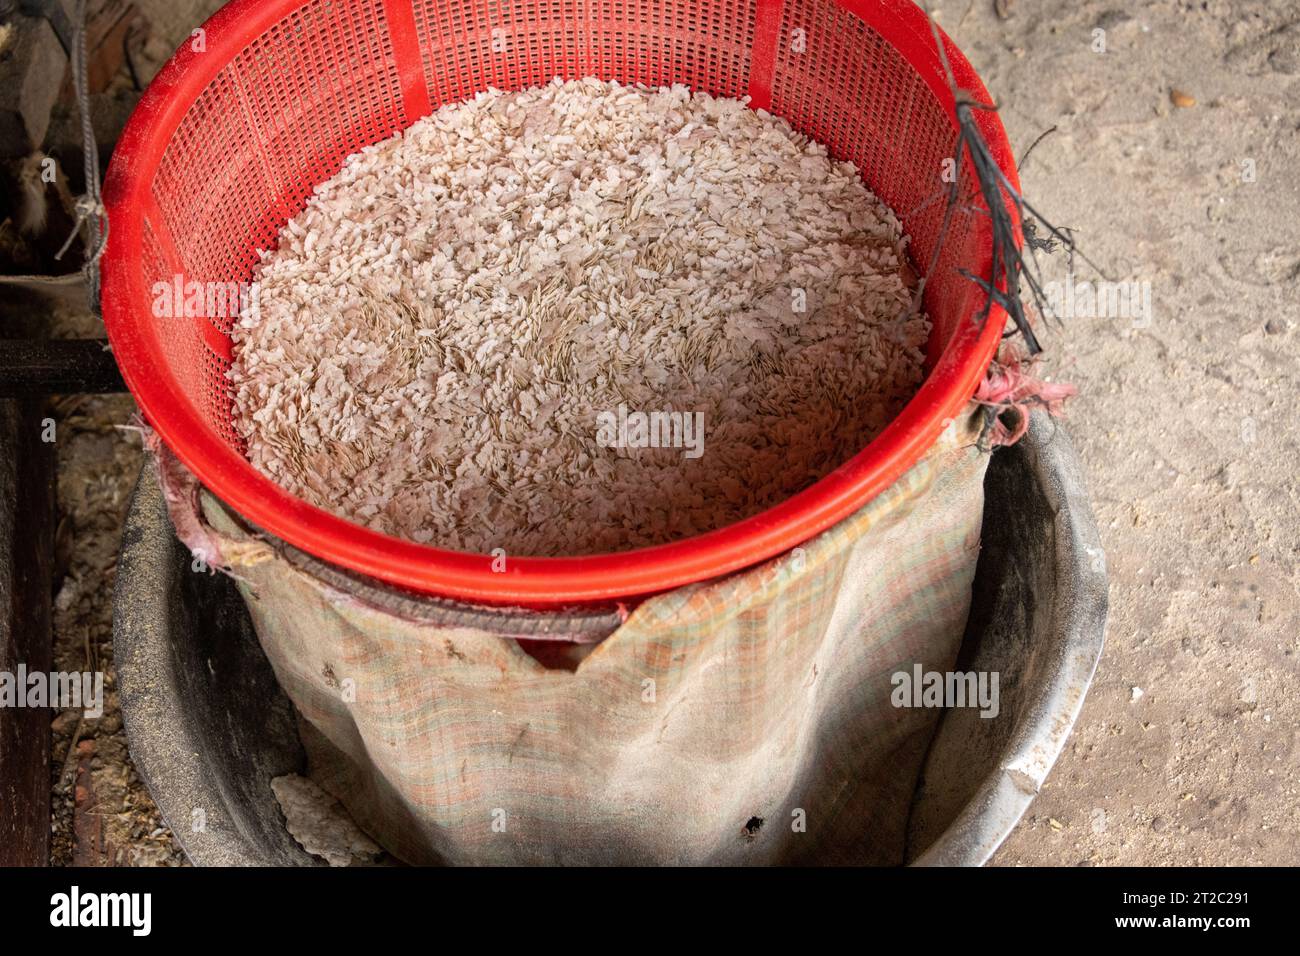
(440, 328)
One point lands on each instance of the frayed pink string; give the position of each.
(1011, 386)
(181, 493)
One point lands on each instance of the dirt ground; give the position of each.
(1186, 750)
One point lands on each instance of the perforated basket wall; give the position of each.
(230, 140)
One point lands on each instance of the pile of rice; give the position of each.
(441, 328)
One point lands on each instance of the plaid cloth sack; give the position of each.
(742, 720)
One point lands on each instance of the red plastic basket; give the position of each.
(247, 118)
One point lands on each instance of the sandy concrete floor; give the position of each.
(1186, 751)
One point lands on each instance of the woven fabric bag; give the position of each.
(742, 720)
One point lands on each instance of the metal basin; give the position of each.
(209, 727)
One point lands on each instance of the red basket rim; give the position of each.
(530, 582)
